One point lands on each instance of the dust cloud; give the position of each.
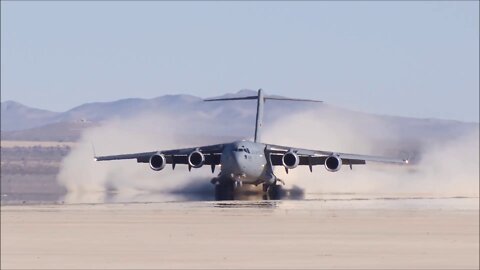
(87, 180)
(442, 167)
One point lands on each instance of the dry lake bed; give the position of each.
(297, 234)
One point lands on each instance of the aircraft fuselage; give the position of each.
(245, 162)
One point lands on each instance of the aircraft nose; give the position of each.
(238, 157)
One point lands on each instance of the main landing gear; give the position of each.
(225, 190)
(271, 191)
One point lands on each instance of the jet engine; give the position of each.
(333, 163)
(290, 160)
(157, 162)
(196, 159)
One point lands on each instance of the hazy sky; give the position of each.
(411, 58)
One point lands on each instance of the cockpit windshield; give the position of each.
(242, 149)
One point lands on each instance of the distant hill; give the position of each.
(20, 122)
(16, 116)
(99, 111)
(60, 132)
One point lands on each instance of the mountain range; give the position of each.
(20, 122)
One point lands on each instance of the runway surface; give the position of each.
(337, 231)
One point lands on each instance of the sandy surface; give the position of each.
(268, 234)
(7, 143)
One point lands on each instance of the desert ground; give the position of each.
(367, 234)
(10, 144)
(29, 170)
(40, 231)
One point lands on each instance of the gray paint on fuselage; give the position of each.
(245, 161)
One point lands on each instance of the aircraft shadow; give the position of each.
(207, 192)
(195, 190)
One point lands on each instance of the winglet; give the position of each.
(407, 157)
(94, 154)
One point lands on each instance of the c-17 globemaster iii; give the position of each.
(250, 162)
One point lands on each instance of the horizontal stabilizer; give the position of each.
(237, 98)
(265, 98)
(260, 101)
(292, 99)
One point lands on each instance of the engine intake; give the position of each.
(290, 160)
(157, 162)
(333, 163)
(196, 159)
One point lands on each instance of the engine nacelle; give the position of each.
(157, 162)
(196, 159)
(290, 160)
(333, 163)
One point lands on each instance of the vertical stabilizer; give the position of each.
(259, 119)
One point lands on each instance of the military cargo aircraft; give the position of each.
(250, 162)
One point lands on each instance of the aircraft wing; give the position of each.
(175, 156)
(318, 157)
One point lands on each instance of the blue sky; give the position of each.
(418, 59)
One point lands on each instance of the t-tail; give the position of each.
(260, 104)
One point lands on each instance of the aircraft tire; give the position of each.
(272, 192)
(224, 191)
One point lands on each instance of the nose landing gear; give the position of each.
(272, 191)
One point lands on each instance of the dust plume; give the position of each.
(87, 180)
(442, 165)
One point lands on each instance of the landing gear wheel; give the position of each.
(224, 191)
(271, 192)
